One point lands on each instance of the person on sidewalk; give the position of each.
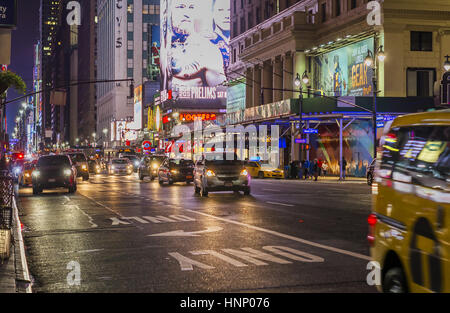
(315, 169)
(320, 163)
(324, 168)
(305, 169)
(293, 170)
(311, 169)
(344, 168)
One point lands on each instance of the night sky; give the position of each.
(22, 51)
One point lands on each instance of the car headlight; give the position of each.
(67, 172)
(210, 173)
(83, 167)
(174, 171)
(155, 166)
(27, 175)
(244, 173)
(17, 170)
(36, 173)
(113, 168)
(136, 163)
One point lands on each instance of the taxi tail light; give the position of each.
(372, 221)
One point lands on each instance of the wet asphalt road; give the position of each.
(133, 236)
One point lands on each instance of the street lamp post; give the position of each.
(298, 83)
(371, 61)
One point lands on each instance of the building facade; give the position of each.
(124, 31)
(328, 42)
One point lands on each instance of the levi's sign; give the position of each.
(8, 13)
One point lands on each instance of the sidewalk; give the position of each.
(333, 179)
(14, 276)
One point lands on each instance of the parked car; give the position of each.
(120, 166)
(176, 170)
(259, 170)
(215, 173)
(54, 171)
(81, 163)
(149, 166)
(370, 172)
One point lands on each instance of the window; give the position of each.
(130, 45)
(130, 27)
(250, 20)
(258, 15)
(420, 153)
(421, 41)
(352, 4)
(235, 29)
(242, 24)
(130, 63)
(420, 82)
(324, 12)
(266, 10)
(337, 4)
(311, 16)
(234, 55)
(234, 6)
(145, 9)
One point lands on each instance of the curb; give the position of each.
(23, 281)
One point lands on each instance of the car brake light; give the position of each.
(372, 221)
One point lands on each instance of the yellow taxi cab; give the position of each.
(256, 169)
(409, 228)
(27, 174)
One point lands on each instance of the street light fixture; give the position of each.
(298, 83)
(371, 62)
(24, 105)
(447, 63)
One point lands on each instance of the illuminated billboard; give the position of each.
(195, 51)
(342, 72)
(137, 124)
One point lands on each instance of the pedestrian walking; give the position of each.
(344, 167)
(315, 169)
(305, 169)
(293, 170)
(324, 168)
(320, 163)
(311, 169)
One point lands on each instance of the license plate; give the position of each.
(188, 177)
(228, 184)
(52, 180)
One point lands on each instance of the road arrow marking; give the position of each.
(182, 233)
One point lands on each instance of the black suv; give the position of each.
(54, 171)
(176, 170)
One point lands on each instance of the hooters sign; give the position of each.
(190, 117)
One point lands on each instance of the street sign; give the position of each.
(8, 13)
(311, 131)
(298, 140)
(147, 145)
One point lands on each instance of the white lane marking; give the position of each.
(276, 190)
(102, 205)
(91, 220)
(278, 203)
(25, 272)
(182, 233)
(219, 256)
(187, 264)
(268, 231)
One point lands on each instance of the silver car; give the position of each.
(214, 174)
(120, 166)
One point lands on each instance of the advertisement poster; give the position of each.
(343, 73)
(195, 51)
(137, 108)
(153, 56)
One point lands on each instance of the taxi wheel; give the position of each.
(160, 181)
(197, 189)
(204, 192)
(394, 281)
(261, 175)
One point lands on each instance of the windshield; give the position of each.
(78, 157)
(157, 159)
(131, 157)
(120, 161)
(181, 162)
(55, 160)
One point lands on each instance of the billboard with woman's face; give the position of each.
(195, 52)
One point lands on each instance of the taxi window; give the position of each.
(420, 153)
